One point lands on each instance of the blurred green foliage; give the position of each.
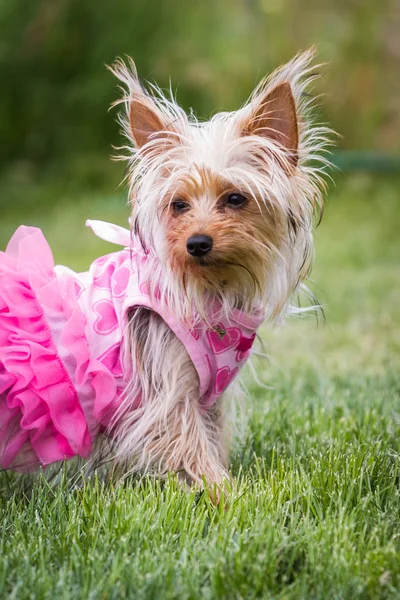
(55, 89)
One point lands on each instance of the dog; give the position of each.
(141, 352)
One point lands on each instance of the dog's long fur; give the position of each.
(261, 253)
(168, 432)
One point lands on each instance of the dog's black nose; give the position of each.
(199, 245)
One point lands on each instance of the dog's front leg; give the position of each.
(197, 448)
(169, 432)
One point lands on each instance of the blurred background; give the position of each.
(55, 89)
(57, 133)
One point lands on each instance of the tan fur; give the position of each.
(268, 151)
(168, 432)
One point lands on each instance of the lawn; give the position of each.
(314, 510)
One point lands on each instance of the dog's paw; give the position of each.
(215, 482)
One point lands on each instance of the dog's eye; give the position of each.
(179, 206)
(236, 200)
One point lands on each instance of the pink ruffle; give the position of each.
(104, 399)
(41, 420)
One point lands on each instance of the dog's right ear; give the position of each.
(148, 116)
(144, 120)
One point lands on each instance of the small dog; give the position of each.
(142, 348)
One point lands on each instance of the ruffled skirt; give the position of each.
(41, 419)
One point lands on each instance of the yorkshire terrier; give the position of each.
(143, 349)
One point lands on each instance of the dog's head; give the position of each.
(228, 204)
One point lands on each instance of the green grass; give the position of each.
(314, 510)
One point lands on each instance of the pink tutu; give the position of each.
(41, 420)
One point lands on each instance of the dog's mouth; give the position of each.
(202, 261)
(208, 269)
(203, 268)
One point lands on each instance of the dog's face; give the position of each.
(227, 204)
(218, 232)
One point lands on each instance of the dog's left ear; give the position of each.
(274, 117)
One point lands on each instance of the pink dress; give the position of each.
(62, 360)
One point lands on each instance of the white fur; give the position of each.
(249, 162)
(168, 431)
